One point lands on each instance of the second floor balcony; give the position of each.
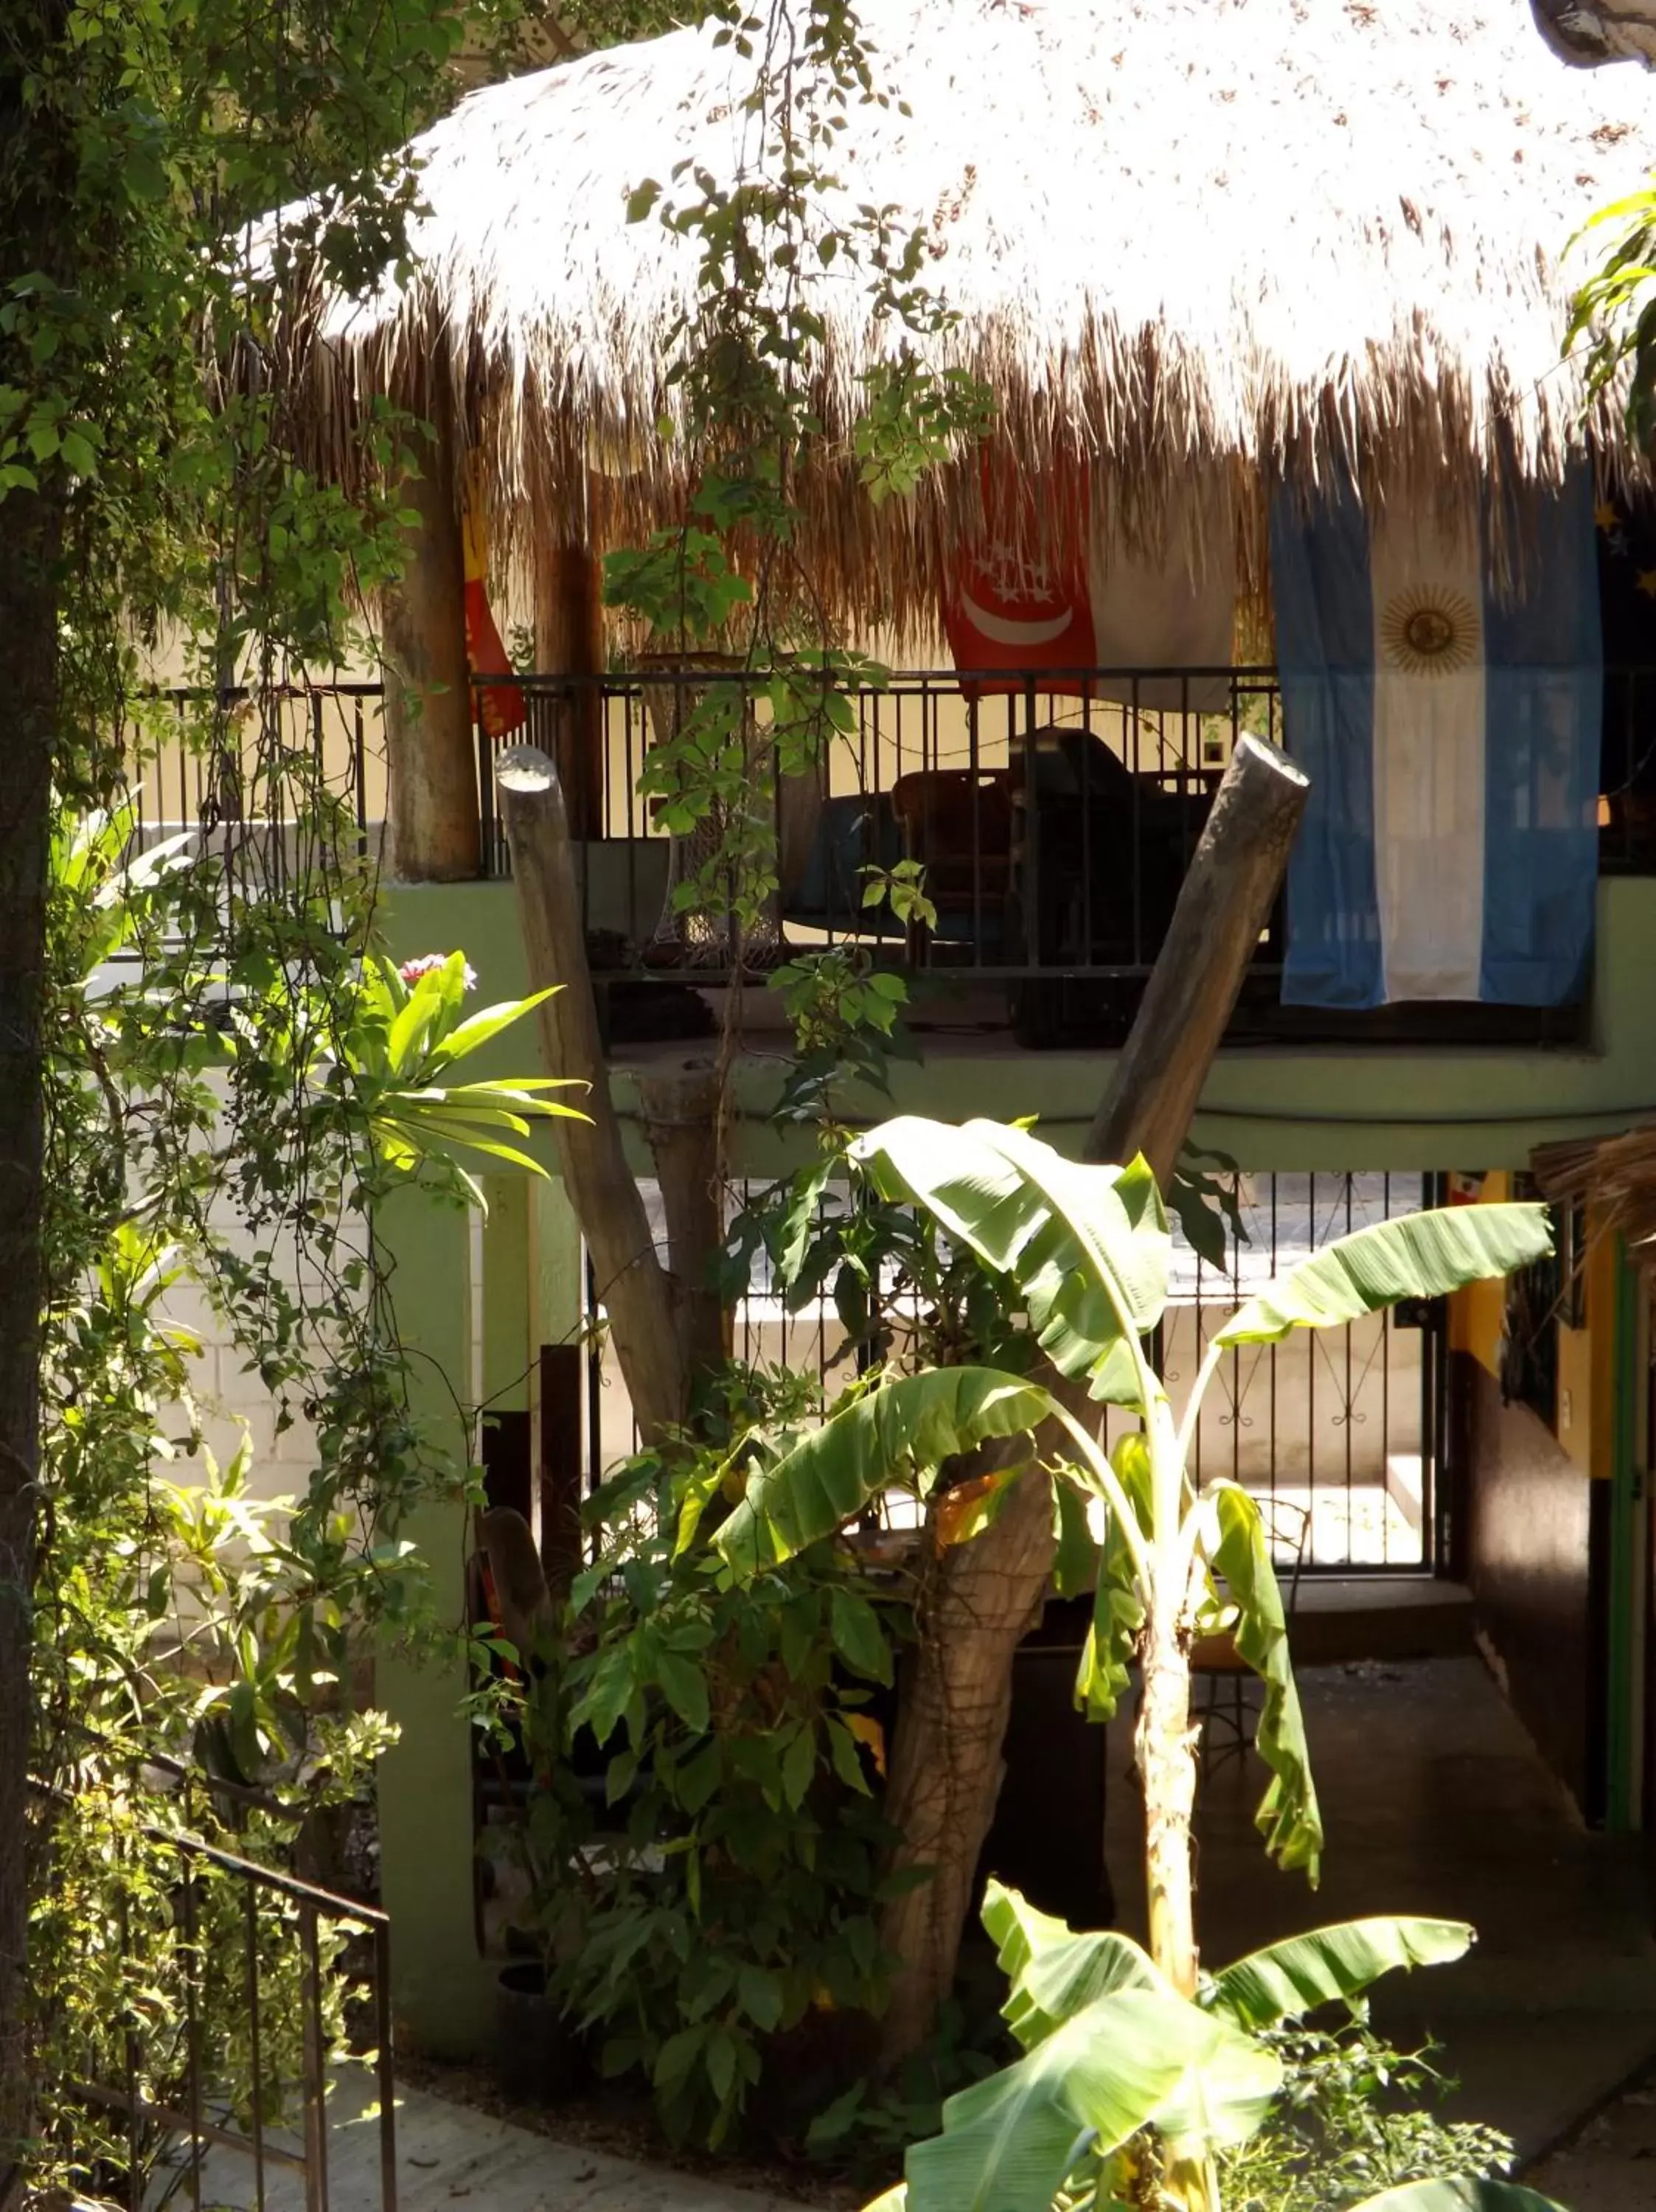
(1051, 834)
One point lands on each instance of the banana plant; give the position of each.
(1084, 1253)
(1110, 2049)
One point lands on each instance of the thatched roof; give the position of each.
(1255, 235)
(1616, 1175)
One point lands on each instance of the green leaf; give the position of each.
(1420, 1255)
(1240, 1550)
(761, 1994)
(1460, 2194)
(857, 1636)
(1087, 1246)
(911, 1425)
(1008, 2143)
(685, 1688)
(1053, 1973)
(1076, 1567)
(799, 1766)
(608, 1694)
(1104, 1674)
(800, 1218)
(479, 1028)
(1288, 1979)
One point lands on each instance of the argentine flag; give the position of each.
(1449, 849)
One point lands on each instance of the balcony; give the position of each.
(1054, 833)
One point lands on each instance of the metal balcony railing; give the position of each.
(1053, 830)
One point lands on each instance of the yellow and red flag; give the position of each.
(499, 707)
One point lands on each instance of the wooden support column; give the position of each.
(639, 1294)
(679, 1108)
(1224, 902)
(432, 752)
(569, 641)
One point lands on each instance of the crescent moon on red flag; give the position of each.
(1000, 629)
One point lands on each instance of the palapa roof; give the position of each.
(1616, 1175)
(1234, 238)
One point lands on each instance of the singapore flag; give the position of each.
(1050, 593)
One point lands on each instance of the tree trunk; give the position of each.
(951, 1723)
(29, 550)
(680, 1111)
(1166, 1754)
(38, 175)
(637, 1293)
(978, 1601)
(431, 749)
(1165, 1750)
(1224, 903)
(569, 641)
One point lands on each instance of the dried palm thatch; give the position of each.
(1616, 1175)
(1241, 238)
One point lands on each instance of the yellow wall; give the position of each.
(1586, 1419)
(1476, 1314)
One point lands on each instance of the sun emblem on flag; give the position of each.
(1430, 632)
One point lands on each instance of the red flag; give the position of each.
(1020, 599)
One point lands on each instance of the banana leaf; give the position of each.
(908, 1426)
(1240, 1550)
(1135, 2057)
(1419, 1255)
(1288, 1979)
(1088, 1247)
(1053, 1971)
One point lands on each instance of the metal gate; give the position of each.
(1335, 1429)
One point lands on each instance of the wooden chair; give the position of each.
(957, 823)
(1221, 1681)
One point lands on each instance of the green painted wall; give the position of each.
(442, 1993)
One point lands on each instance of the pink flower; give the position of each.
(428, 964)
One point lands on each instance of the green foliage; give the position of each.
(408, 1030)
(1614, 312)
(722, 1916)
(130, 1966)
(1114, 2069)
(1354, 2124)
(216, 1118)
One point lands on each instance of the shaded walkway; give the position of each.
(1436, 1802)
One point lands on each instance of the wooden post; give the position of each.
(569, 641)
(680, 1110)
(1224, 902)
(637, 1293)
(432, 756)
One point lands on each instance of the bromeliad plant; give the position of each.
(1082, 1254)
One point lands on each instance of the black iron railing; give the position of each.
(245, 1942)
(1053, 830)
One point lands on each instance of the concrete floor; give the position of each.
(1435, 1802)
(452, 2158)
